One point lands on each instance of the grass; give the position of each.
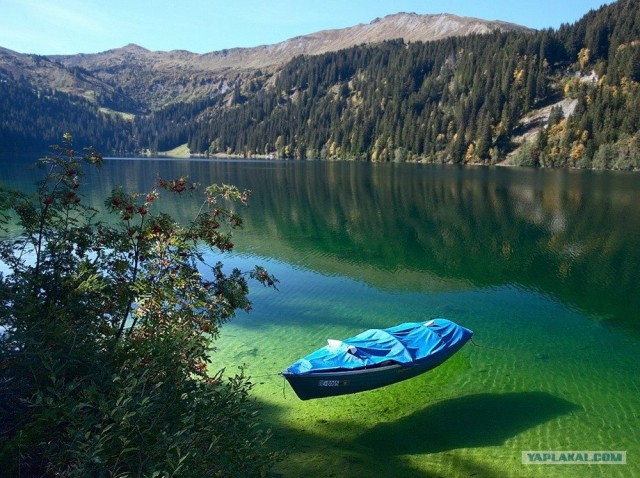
(124, 116)
(181, 151)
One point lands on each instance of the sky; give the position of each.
(48, 27)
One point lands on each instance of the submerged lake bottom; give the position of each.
(538, 376)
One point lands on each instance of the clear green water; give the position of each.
(544, 266)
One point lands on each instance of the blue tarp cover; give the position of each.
(406, 344)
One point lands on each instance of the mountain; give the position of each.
(98, 90)
(41, 72)
(410, 27)
(158, 77)
(406, 87)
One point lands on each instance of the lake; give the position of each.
(544, 267)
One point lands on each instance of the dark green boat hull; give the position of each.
(330, 384)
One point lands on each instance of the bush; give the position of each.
(107, 331)
(526, 155)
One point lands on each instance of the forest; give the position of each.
(458, 100)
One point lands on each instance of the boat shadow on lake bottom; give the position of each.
(471, 421)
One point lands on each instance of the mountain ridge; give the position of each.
(408, 26)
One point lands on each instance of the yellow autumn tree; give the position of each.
(470, 154)
(584, 55)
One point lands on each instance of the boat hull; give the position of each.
(333, 383)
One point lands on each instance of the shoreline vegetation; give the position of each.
(107, 330)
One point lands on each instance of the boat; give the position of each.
(375, 358)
